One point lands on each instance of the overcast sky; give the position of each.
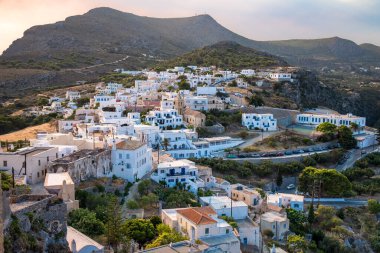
(357, 20)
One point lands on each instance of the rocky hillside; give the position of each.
(225, 54)
(105, 34)
(310, 92)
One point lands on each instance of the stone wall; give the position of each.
(49, 208)
(84, 166)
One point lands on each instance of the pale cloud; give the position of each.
(255, 19)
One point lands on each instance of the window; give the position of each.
(5, 163)
(227, 231)
(38, 174)
(284, 225)
(39, 162)
(207, 231)
(47, 158)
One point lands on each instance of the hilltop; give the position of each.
(225, 54)
(104, 34)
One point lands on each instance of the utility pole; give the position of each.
(13, 177)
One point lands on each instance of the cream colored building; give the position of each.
(63, 186)
(194, 118)
(249, 196)
(275, 222)
(202, 223)
(31, 162)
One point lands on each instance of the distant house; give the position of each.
(194, 118)
(293, 201)
(281, 76)
(265, 122)
(275, 222)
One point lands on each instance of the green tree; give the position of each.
(326, 217)
(42, 101)
(243, 134)
(311, 214)
(85, 221)
(345, 138)
(166, 236)
(140, 230)
(279, 178)
(6, 181)
(166, 143)
(114, 223)
(144, 186)
(333, 183)
(156, 221)
(373, 206)
(296, 243)
(355, 127)
(132, 204)
(326, 128)
(82, 101)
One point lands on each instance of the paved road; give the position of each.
(338, 203)
(256, 139)
(279, 159)
(355, 155)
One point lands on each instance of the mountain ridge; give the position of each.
(107, 33)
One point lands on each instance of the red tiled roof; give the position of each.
(199, 216)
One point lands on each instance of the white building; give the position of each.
(72, 95)
(167, 104)
(103, 100)
(336, 119)
(146, 85)
(113, 88)
(65, 126)
(131, 159)
(247, 72)
(222, 206)
(264, 122)
(286, 200)
(178, 172)
(281, 76)
(275, 222)
(197, 103)
(164, 118)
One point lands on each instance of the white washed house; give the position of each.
(264, 122)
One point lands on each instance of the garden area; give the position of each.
(281, 141)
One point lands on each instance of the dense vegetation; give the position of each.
(125, 79)
(14, 123)
(265, 168)
(68, 61)
(229, 55)
(362, 175)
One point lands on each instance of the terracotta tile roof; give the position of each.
(199, 216)
(129, 145)
(274, 208)
(207, 210)
(194, 113)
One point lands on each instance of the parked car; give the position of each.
(291, 186)
(255, 155)
(363, 152)
(288, 152)
(280, 154)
